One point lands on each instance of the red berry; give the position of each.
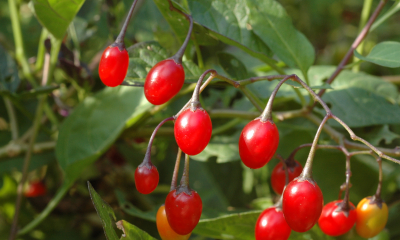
(334, 222)
(113, 66)
(258, 143)
(278, 176)
(146, 178)
(36, 189)
(164, 229)
(164, 81)
(183, 211)
(193, 130)
(302, 204)
(271, 225)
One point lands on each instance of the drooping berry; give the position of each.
(258, 143)
(372, 216)
(164, 229)
(278, 176)
(146, 178)
(113, 66)
(164, 81)
(334, 221)
(271, 225)
(35, 189)
(302, 204)
(193, 130)
(183, 211)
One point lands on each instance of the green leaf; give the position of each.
(381, 133)
(9, 79)
(95, 124)
(16, 163)
(180, 25)
(232, 65)
(231, 226)
(255, 26)
(225, 148)
(105, 213)
(384, 54)
(358, 108)
(131, 232)
(56, 15)
(130, 209)
(143, 56)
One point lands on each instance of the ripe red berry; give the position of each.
(258, 143)
(183, 211)
(193, 130)
(113, 66)
(164, 81)
(35, 189)
(271, 225)
(164, 229)
(302, 204)
(278, 176)
(146, 178)
(334, 221)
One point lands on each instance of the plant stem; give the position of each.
(226, 126)
(194, 102)
(25, 168)
(49, 208)
(12, 118)
(41, 50)
(355, 44)
(307, 170)
(364, 17)
(266, 114)
(147, 157)
(379, 188)
(395, 8)
(176, 170)
(185, 175)
(120, 39)
(198, 53)
(19, 44)
(346, 206)
(253, 99)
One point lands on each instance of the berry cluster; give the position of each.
(301, 204)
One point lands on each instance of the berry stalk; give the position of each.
(120, 39)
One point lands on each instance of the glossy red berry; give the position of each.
(35, 189)
(113, 66)
(302, 204)
(193, 130)
(183, 211)
(334, 221)
(146, 178)
(278, 175)
(164, 81)
(271, 225)
(164, 229)
(258, 143)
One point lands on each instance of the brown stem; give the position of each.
(120, 39)
(346, 206)
(178, 55)
(266, 114)
(379, 188)
(355, 44)
(307, 170)
(147, 157)
(184, 185)
(195, 103)
(176, 170)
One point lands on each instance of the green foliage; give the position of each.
(384, 54)
(101, 134)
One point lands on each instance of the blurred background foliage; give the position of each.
(225, 185)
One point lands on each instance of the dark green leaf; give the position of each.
(253, 25)
(105, 212)
(131, 232)
(225, 148)
(384, 54)
(9, 80)
(231, 226)
(95, 124)
(233, 66)
(358, 108)
(56, 16)
(130, 209)
(16, 163)
(381, 133)
(180, 25)
(143, 56)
